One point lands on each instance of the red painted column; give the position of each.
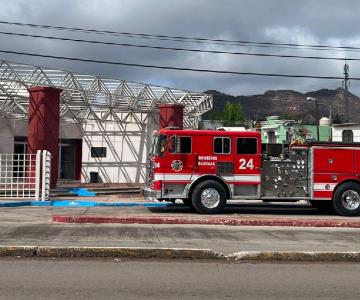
(43, 124)
(171, 115)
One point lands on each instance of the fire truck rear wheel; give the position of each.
(347, 199)
(209, 197)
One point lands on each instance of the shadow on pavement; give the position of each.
(251, 209)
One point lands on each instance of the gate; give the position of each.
(25, 176)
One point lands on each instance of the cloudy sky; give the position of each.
(327, 22)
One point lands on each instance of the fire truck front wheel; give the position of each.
(347, 199)
(209, 197)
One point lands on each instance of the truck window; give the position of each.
(246, 146)
(181, 145)
(222, 145)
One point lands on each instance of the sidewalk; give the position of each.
(242, 213)
(223, 239)
(34, 227)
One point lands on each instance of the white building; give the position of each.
(105, 124)
(347, 132)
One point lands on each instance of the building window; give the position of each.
(246, 146)
(347, 136)
(222, 145)
(98, 151)
(181, 145)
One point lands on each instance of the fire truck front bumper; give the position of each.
(151, 194)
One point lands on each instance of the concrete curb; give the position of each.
(295, 256)
(129, 252)
(174, 253)
(231, 221)
(23, 251)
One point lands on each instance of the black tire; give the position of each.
(323, 205)
(217, 191)
(344, 193)
(187, 202)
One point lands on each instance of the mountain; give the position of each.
(291, 104)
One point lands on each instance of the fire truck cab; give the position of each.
(206, 168)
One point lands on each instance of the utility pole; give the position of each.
(317, 116)
(346, 79)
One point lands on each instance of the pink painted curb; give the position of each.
(230, 221)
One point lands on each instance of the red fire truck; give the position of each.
(206, 168)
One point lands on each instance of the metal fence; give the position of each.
(25, 176)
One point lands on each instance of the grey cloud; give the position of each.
(306, 21)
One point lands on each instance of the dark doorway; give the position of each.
(271, 137)
(20, 145)
(66, 160)
(20, 148)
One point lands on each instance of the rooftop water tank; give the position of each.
(324, 121)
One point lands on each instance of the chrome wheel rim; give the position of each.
(350, 200)
(210, 198)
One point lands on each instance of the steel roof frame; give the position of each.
(85, 97)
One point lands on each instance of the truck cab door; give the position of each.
(247, 167)
(180, 162)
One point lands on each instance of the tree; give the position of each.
(233, 114)
(289, 116)
(337, 119)
(215, 115)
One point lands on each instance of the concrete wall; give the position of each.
(338, 129)
(210, 124)
(70, 131)
(10, 128)
(127, 146)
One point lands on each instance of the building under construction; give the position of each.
(97, 129)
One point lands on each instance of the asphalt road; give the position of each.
(116, 279)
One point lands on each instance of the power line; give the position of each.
(118, 63)
(180, 38)
(177, 48)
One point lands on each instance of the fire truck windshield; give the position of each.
(158, 145)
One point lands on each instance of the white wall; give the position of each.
(127, 145)
(337, 132)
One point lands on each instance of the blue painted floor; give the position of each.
(84, 203)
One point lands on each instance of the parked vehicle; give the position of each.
(206, 168)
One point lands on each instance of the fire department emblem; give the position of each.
(177, 165)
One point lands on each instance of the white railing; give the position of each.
(25, 176)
